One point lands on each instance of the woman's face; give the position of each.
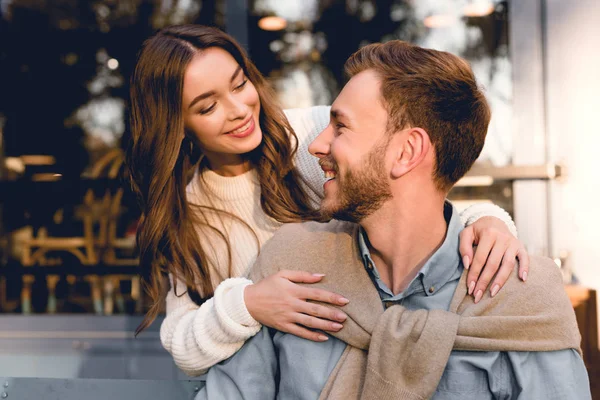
(221, 107)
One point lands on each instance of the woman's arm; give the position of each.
(200, 337)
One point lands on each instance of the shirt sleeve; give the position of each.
(308, 123)
(476, 211)
(200, 337)
(251, 374)
(551, 375)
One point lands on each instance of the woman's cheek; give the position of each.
(252, 94)
(209, 130)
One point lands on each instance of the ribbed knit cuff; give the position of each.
(477, 211)
(231, 308)
(181, 299)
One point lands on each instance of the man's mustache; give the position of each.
(328, 163)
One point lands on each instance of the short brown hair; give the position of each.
(433, 90)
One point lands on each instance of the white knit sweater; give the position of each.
(200, 337)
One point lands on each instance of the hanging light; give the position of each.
(439, 21)
(112, 63)
(478, 9)
(272, 23)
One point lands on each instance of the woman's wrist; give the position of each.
(230, 298)
(249, 298)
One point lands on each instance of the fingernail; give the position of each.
(466, 262)
(495, 289)
(319, 275)
(337, 326)
(471, 287)
(344, 300)
(323, 338)
(524, 276)
(478, 296)
(340, 316)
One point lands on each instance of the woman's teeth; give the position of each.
(243, 128)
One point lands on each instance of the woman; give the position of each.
(201, 110)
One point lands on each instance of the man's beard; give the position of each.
(362, 192)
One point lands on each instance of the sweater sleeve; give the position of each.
(471, 214)
(308, 123)
(200, 337)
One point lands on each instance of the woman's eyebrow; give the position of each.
(212, 92)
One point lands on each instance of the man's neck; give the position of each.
(402, 237)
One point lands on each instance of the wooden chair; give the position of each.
(93, 214)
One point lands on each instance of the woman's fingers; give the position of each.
(300, 276)
(316, 323)
(467, 241)
(523, 258)
(322, 295)
(491, 266)
(299, 331)
(506, 268)
(481, 253)
(314, 294)
(319, 311)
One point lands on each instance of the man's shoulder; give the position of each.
(543, 272)
(543, 290)
(307, 247)
(312, 233)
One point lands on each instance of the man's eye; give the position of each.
(340, 126)
(207, 110)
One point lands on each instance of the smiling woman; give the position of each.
(222, 111)
(208, 121)
(218, 167)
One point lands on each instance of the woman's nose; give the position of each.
(237, 109)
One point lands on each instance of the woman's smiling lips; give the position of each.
(243, 130)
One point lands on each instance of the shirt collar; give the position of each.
(440, 267)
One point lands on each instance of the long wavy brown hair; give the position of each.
(161, 159)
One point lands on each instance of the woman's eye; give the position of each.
(340, 126)
(241, 85)
(207, 110)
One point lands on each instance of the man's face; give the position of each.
(352, 151)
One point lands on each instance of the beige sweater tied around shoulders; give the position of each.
(402, 354)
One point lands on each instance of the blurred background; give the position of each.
(70, 296)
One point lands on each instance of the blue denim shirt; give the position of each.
(278, 365)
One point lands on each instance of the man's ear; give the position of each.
(412, 148)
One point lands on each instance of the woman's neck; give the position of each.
(228, 168)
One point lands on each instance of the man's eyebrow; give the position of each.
(338, 114)
(212, 92)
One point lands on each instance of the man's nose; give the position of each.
(321, 145)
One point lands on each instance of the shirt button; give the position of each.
(431, 289)
(388, 304)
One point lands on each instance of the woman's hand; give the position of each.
(278, 302)
(496, 252)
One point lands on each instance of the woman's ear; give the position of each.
(412, 148)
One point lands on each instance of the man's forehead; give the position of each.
(359, 96)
